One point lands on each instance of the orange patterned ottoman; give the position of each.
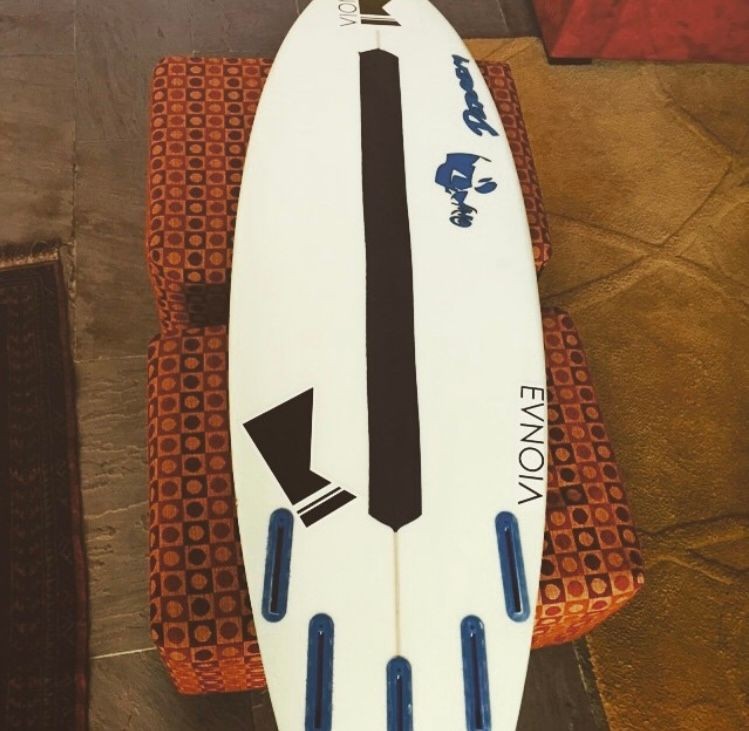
(201, 621)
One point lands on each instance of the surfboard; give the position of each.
(386, 381)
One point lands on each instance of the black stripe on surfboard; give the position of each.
(378, 21)
(338, 500)
(322, 499)
(394, 440)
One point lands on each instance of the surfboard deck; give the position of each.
(386, 381)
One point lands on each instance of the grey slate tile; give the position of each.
(43, 27)
(112, 426)
(241, 27)
(115, 313)
(262, 712)
(134, 692)
(555, 696)
(118, 44)
(36, 147)
(474, 18)
(520, 17)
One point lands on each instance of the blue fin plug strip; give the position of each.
(475, 675)
(319, 713)
(277, 565)
(399, 695)
(513, 571)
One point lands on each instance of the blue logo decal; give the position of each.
(456, 176)
(474, 116)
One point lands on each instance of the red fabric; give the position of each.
(669, 30)
(201, 619)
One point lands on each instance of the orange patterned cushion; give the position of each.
(200, 611)
(592, 563)
(202, 110)
(201, 621)
(505, 95)
(200, 614)
(201, 115)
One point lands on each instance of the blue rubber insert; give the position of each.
(319, 716)
(400, 695)
(513, 570)
(277, 565)
(475, 675)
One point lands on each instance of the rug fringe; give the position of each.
(14, 255)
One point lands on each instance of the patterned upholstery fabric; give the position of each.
(201, 116)
(200, 612)
(202, 112)
(592, 563)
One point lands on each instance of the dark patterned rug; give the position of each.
(43, 612)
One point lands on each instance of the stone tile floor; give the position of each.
(645, 174)
(74, 77)
(644, 170)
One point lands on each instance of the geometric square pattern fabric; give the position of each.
(505, 95)
(201, 618)
(592, 563)
(199, 607)
(202, 110)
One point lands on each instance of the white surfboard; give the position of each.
(387, 383)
